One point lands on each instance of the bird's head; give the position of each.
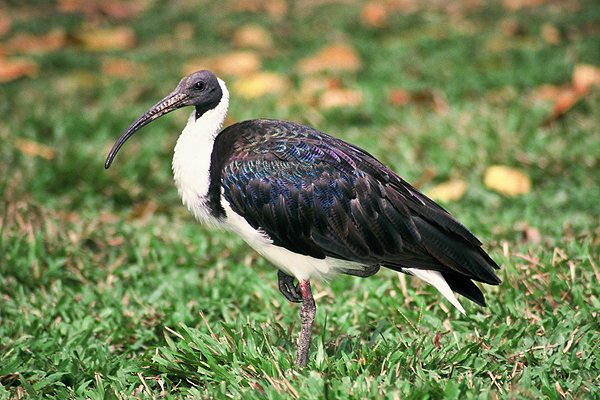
(201, 89)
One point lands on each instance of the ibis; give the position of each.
(313, 205)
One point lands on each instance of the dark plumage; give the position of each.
(322, 197)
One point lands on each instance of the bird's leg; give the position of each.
(307, 317)
(363, 273)
(287, 288)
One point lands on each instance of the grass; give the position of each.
(109, 289)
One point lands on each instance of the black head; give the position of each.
(200, 89)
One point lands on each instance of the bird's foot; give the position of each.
(287, 288)
(363, 273)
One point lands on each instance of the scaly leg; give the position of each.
(307, 317)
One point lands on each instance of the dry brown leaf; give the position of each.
(400, 97)
(24, 43)
(506, 180)
(451, 190)
(374, 14)
(532, 235)
(5, 23)
(15, 69)
(337, 97)
(120, 68)
(260, 84)
(432, 98)
(560, 98)
(550, 34)
(585, 77)
(237, 63)
(564, 101)
(331, 58)
(106, 39)
(563, 98)
(116, 9)
(254, 36)
(511, 27)
(32, 148)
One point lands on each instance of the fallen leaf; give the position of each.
(254, 36)
(451, 190)
(25, 43)
(506, 180)
(337, 97)
(565, 99)
(550, 34)
(511, 27)
(400, 97)
(260, 84)
(585, 77)
(15, 69)
(432, 98)
(32, 148)
(560, 98)
(532, 235)
(5, 23)
(333, 58)
(106, 39)
(374, 14)
(116, 9)
(237, 63)
(120, 68)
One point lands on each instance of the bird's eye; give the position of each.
(199, 85)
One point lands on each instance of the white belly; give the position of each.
(293, 264)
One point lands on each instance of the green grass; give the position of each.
(109, 289)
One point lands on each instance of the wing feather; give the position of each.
(320, 196)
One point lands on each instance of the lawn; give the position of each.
(110, 290)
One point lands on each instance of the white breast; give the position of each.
(191, 162)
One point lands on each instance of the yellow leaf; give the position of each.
(374, 14)
(237, 63)
(506, 180)
(254, 36)
(448, 191)
(337, 97)
(259, 84)
(332, 58)
(118, 38)
(11, 69)
(32, 148)
(585, 76)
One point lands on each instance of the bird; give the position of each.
(313, 205)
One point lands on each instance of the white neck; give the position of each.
(191, 162)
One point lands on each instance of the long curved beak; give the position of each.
(170, 103)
